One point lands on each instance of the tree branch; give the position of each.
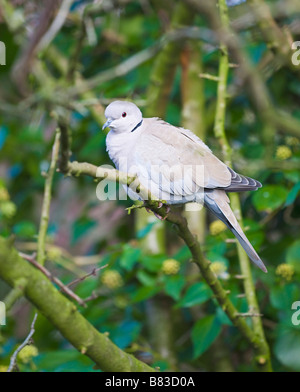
(55, 280)
(22, 66)
(162, 76)
(63, 314)
(20, 348)
(46, 201)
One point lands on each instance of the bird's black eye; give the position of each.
(124, 114)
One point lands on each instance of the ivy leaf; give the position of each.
(222, 317)
(195, 295)
(142, 233)
(153, 263)
(174, 285)
(293, 175)
(63, 361)
(126, 333)
(283, 296)
(292, 194)
(129, 257)
(204, 333)
(145, 278)
(287, 347)
(25, 229)
(144, 292)
(270, 197)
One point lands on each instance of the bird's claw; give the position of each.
(160, 217)
(160, 205)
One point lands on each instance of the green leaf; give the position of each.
(293, 175)
(144, 292)
(153, 263)
(145, 230)
(63, 361)
(146, 278)
(270, 197)
(174, 285)
(125, 333)
(283, 296)
(129, 257)
(183, 254)
(204, 333)
(254, 232)
(195, 295)
(25, 229)
(287, 347)
(292, 194)
(81, 228)
(293, 255)
(222, 317)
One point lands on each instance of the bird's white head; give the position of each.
(122, 116)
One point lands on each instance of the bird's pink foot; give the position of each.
(167, 211)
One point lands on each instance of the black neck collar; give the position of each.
(137, 126)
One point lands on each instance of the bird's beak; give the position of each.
(107, 124)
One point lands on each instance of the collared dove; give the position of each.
(175, 165)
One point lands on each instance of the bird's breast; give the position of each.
(120, 148)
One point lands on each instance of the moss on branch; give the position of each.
(63, 314)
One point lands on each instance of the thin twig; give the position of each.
(249, 314)
(22, 66)
(25, 343)
(93, 273)
(209, 77)
(54, 279)
(12, 297)
(56, 25)
(92, 297)
(46, 201)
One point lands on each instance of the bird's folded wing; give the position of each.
(177, 161)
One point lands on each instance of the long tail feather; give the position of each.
(218, 203)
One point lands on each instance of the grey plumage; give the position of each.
(220, 207)
(175, 165)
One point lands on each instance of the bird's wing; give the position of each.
(177, 161)
(241, 183)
